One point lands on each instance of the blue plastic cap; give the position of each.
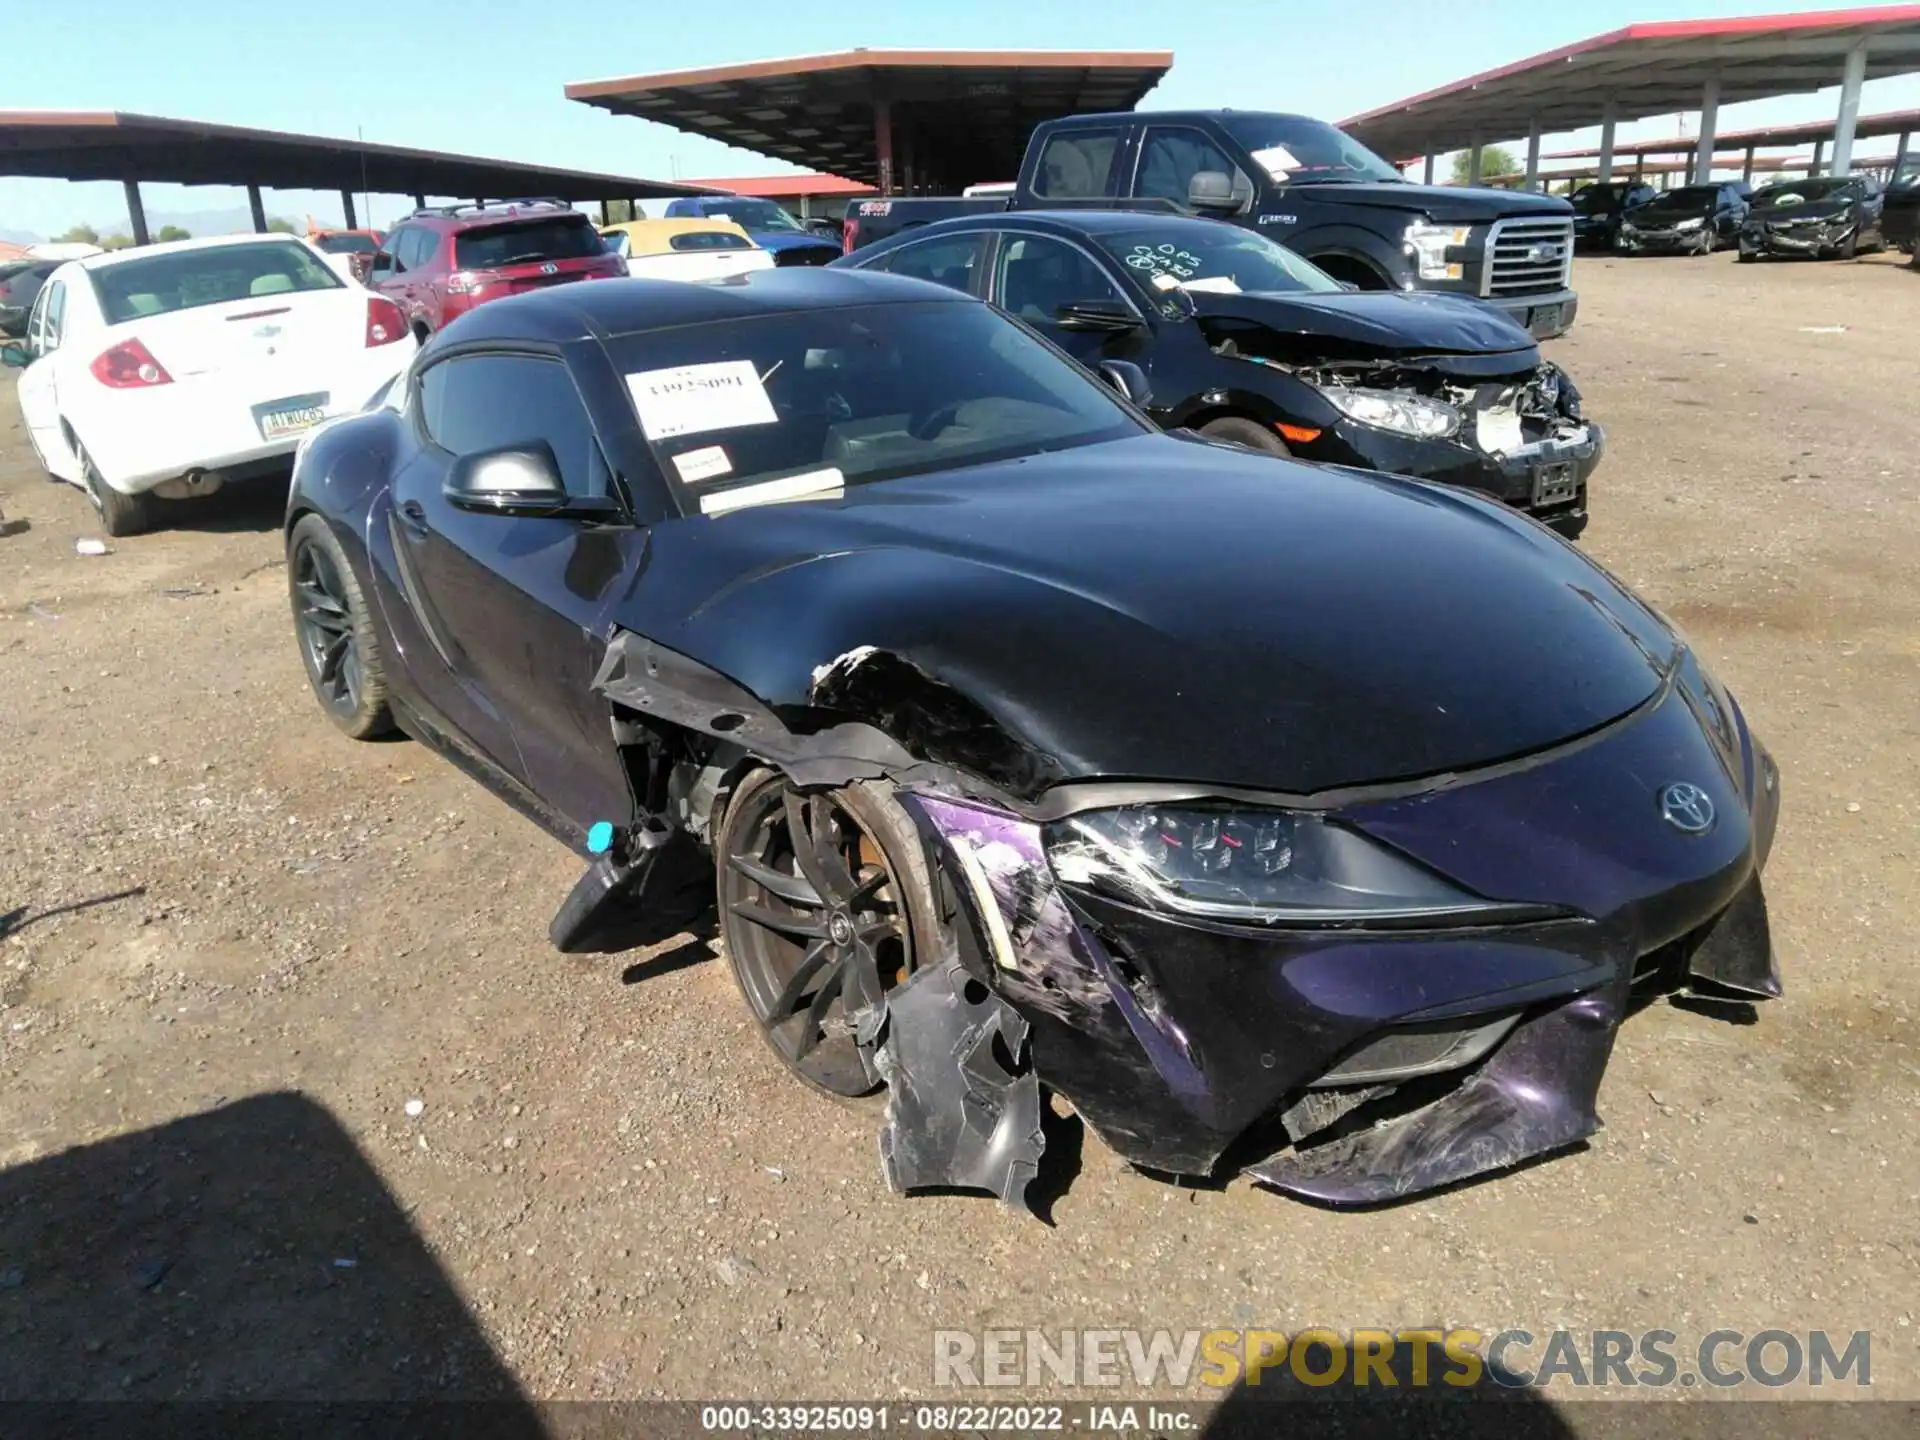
(600, 837)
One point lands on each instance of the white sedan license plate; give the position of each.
(279, 419)
(1556, 484)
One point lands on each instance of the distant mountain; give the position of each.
(20, 237)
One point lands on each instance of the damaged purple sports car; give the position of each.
(1314, 824)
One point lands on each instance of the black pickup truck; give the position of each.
(1296, 180)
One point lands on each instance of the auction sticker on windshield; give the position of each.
(692, 399)
(1277, 161)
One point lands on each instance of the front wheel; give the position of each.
(1247, 434)
(335, 629)
(1747, 257)
(825, 903)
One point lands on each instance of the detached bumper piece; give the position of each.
(963, 1102)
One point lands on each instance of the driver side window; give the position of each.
(43, 329)
(1171, 157)
(1037, 274)
(472, 403)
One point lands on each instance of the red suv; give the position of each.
(440, 262)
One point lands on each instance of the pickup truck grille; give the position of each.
(1528, 257)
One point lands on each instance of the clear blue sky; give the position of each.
(485, 77)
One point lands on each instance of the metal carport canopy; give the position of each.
(1647, 69)
(1868, 127)
(894, 119)
(114, 145)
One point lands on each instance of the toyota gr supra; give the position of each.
(1285, 819)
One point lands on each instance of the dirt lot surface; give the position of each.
(249, 945)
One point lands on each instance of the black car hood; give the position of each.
(1465, 204)
(1378, 324)
(1159, 609)
(1811, 210)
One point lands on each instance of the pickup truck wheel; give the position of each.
(1247, 434)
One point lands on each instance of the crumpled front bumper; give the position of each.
(1359, 1065)
(1797, 240)
(1509, 478)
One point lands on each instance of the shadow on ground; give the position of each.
(247, 1254)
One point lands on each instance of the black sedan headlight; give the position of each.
(1268, 866)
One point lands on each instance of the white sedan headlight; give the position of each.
(1393, 410)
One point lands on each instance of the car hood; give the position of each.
(1666, 214)
(1812, 210)
(777, 240)
(1159, 609)
(1375, 324)
(1460, 204)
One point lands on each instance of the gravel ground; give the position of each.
(250, 946)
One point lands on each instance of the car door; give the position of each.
(520, 604)
(39, 391)
(1873, 204)
(1035, 274)
(1171, 155)
(951, 260)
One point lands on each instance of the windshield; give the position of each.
(1597, 199)
(1688, 200)
(187, 279)
(1804, 192)
(522, 242)
(1298, 151)
(345, 242)
(1208, 256)
(846, 397)
(751, 214)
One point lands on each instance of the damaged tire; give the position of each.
(335, 629)
(120, 515)
(825, 901)
(1247, 434)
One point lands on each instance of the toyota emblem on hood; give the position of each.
(1687, 808)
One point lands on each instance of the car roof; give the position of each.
(647, 232)
(609, 308)
(1057, 222)
(460, 217)
(175, 247)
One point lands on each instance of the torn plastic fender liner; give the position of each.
(652, 680)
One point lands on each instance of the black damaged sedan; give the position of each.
(1285, 819)
(1223, 331)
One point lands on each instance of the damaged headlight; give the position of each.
(1395, 410)
(1245, 864)
(1429, 243)
(1693, 224)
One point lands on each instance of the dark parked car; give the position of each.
(1598, 208)
(1322, 822)
(20, 282)
(440, 262)
(1246, 342)
(773, 229)
(1293, 179)
(1825, 216)
(1900, 215)
(1693, 220)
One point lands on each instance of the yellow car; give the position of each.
(695, 250)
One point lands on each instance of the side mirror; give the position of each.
(1129, 379)
(380, 264)
(15, 357)
(1112, 316)
(1211, 190)
(521, 480)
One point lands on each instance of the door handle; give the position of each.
(414, 517)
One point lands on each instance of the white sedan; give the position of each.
(164, 371)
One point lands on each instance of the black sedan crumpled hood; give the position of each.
(1810, 210)
(1163, 609)
(1378, 324)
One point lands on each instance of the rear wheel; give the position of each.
(825, 902)
(337, 639)
(1248, 434)
(119, 514)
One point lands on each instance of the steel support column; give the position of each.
(1607, 121)
(1709, 118)
(1819, 163)
(1532, 182)
(1427, 172)
(346, 205)
(1899, 158)
(136, 213)
(883, 142)
(1852, 76)
(1473, 161)
(419, 202)
(1746, 170)
(258, 210)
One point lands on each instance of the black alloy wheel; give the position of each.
(821, 893)
(337, 642)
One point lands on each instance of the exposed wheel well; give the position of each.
(1355, 270)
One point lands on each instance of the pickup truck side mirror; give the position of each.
(1113, 316)
(1129, 379)
(1211, 190)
